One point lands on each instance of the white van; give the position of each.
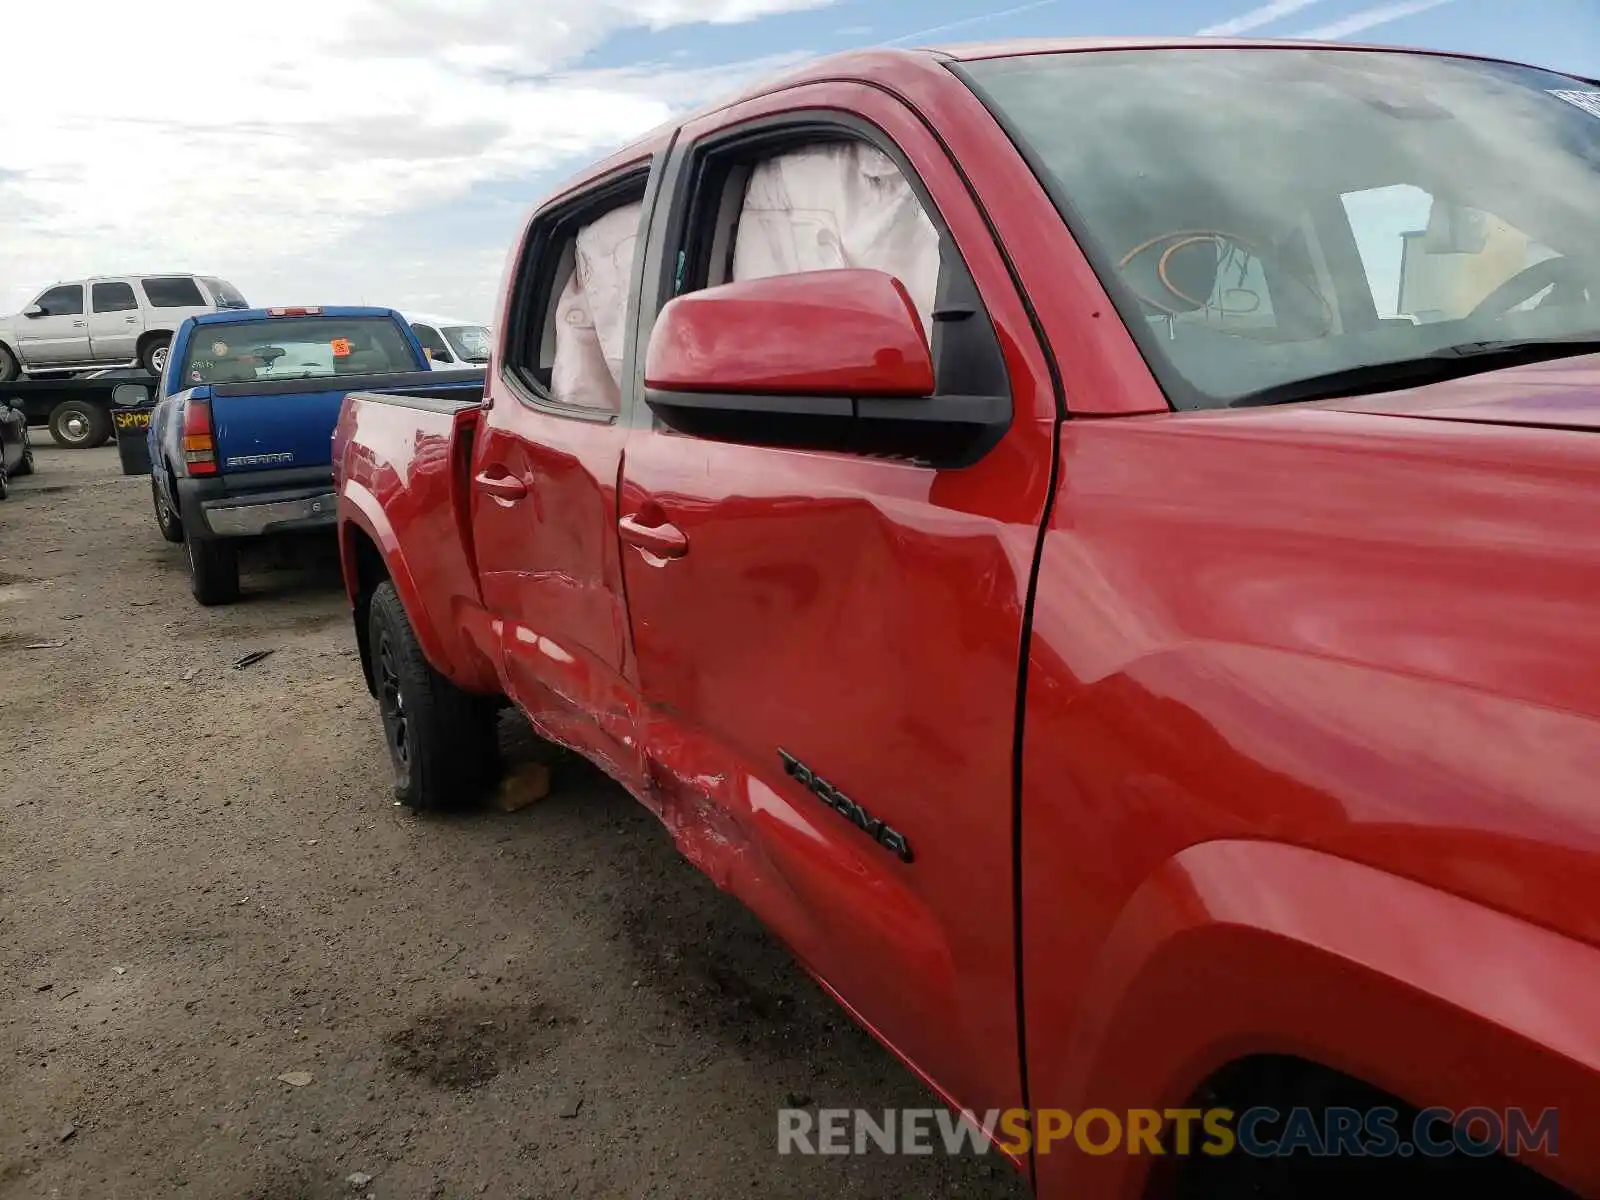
(451, 344)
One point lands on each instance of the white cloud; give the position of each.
(1266, 14)
(1371, 18)
(255, 140)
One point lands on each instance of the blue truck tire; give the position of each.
(213, 569)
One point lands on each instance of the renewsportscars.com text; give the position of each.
(1261, 1132)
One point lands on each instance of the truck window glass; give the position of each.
(224, 293)
(1186, 174)
(63, 301)
(589, 319)
(113, 297)
(832, 205)
(173, 292)
(429, 337)
(294, 348)
(469, 342)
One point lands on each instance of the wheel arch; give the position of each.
(369, 553)
(365, 560)
(1236, 949)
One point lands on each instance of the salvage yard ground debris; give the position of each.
(462, 991)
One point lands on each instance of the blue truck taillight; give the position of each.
(199, 443)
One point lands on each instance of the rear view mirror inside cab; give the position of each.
(850, 334)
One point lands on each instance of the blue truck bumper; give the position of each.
(223, 508)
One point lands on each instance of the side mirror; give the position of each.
(443, 356)
(811, 343)
(130, 395)
(1455, 229)
(33, 310)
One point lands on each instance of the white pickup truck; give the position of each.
(452, 345)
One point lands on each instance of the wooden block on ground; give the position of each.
(522, 787)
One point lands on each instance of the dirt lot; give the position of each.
(204, 886)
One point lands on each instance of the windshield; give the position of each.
(1264, 217)
(470, 342)
(294, 348)
(224, 293)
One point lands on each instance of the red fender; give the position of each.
(1244, 947)
(360, 508)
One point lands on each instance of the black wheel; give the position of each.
(213, 569)
(5, 484)
(79, 426)
(10, 368)
(441, 739)
(171, 525)
(153, 355)
(25, 467)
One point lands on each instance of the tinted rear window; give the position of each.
(113, 297)
(295, 348)
(174, 292)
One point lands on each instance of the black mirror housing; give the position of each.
(130, 395)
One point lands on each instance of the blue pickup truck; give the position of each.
(241, 432)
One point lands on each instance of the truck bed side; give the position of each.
(400, 465)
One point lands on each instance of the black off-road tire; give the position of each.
(79, 426)
(170, 523)
(213, 569)
(10, 368)
(441, 740)
(5, 484)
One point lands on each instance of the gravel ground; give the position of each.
(205, 887)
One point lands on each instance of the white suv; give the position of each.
(107, 321)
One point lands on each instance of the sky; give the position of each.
(387, 151)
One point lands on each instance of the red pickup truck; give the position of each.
(1098, 545)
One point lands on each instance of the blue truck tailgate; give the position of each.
(267, 429)
(269, 425)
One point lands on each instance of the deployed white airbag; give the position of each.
(839, 205)
(592, 311)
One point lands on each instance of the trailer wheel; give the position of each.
(79, 425)
(10, 368)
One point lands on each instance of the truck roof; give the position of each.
(130, 275)
(436, 319)
(276, 312)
